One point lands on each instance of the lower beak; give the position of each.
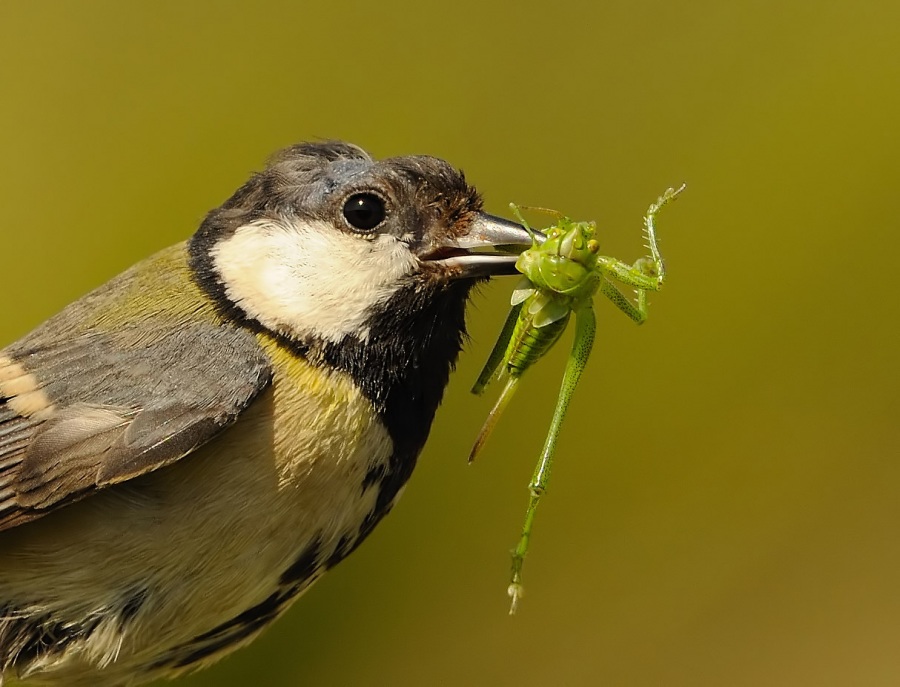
(457, 254)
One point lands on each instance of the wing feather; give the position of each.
(85, 407)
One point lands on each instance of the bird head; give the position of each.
(325, 241)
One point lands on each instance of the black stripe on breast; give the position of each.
(304, 567)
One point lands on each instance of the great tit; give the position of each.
(186, 449)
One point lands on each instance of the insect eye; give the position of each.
(364, 211)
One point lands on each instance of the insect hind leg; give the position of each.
(581, 350)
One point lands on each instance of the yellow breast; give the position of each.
(212, 548)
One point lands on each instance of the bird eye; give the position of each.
(364, 211)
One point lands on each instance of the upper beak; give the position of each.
(486, 231)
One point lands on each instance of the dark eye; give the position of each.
(364, 211)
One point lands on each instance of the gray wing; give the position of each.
(95, 409)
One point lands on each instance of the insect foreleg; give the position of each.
(646, 274)
(585, 327)
(650, 225)
(636, 311)
(643, 274)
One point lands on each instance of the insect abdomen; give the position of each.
(528, 343)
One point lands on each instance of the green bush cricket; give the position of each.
(561, 276)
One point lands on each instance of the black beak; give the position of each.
(486, 231)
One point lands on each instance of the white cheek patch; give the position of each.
(310, 279)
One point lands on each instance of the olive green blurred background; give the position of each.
(724, 508)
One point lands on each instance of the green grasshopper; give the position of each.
(561, 276)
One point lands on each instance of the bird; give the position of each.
(186, 449)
